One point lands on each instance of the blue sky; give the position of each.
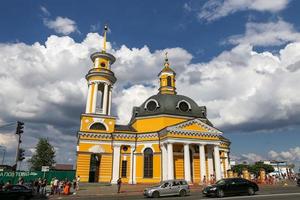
(202, 38)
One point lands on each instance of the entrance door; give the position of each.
(94, 168)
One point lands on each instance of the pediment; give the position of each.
(194, 125)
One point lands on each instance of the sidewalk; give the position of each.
(96, 189)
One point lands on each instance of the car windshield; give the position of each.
(221, 182)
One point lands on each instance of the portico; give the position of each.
(194, 157)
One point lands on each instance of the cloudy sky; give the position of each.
(239, 58)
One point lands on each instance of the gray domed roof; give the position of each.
(171, 105)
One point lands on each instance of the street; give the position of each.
(266, 193)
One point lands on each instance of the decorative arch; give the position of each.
(98, 126)
(183, 101)
(148, 163)
(150, 101)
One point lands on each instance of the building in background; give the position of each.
(168, 136)
(281, 168)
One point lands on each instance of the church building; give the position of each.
(168, 136)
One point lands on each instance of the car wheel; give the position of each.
(250, 191)
(155, 194)
(220, 193)
(182, 193)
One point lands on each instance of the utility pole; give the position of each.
(19, 152)
(3, 148)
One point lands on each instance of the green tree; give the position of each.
(239, 168)
(255, 168)
(44, 155)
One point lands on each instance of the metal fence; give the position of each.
(29, 176)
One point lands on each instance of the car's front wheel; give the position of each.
(220, 193)
(182, 193)
(250, 191)
(155, 194)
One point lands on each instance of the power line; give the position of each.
(8, 124)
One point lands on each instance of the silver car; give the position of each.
(168, 188)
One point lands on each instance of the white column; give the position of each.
(94, 97)
(132, 166)
(187, 163)
(217, 162)
(228, 161)
(227, 166)
(116, 164)
(110, 99)
(105, 93)
(202, 162)
(164, 162)
(170, 162)
(210, 162)
(87, 107)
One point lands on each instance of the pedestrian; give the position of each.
(21, 181)
(39, 184)
(55, 185)
(43, 186)
(204, 181)
(119, 182)
(77, 183)
(74, 184)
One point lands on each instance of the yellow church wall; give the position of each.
(195, 127)
(125, 156)
(105, 167)
(179, 166)
(155, 123)
(91, 99)
(156, 169)
(196, 168)
(83, 166)
(84, 147)
(87, 121)
(171, 135)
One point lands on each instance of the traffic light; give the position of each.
(21, 154)
(20, 126)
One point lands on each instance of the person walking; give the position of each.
(77, 183)
(204, 181)
(119, 183)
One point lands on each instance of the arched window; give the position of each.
(148, 163)
(98, 126)
(169, 81)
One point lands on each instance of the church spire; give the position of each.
(104, 38)
(167, 78)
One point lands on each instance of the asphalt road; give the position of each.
(289, 193)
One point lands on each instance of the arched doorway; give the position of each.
(94, 168)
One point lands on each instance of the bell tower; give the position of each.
(100, 82)
(167, 78)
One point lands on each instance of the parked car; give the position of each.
(168, 188)
(16, 192)
(231, 186)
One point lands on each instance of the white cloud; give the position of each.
(292, 155)
(44, 85)
(215, 9)
(62, 25)
(267, 34)
(45, 11)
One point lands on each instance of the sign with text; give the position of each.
(45, 168)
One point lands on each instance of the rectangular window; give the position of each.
(124, 169)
